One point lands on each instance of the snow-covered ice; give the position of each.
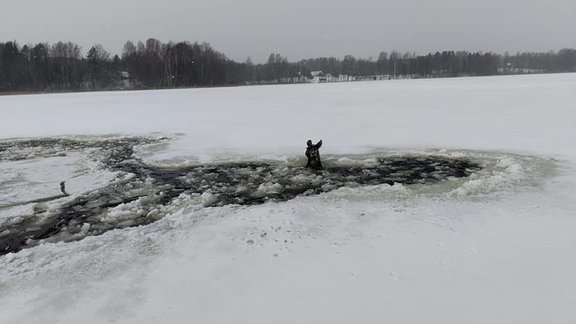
(498, 246)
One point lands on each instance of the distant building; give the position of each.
(318, 76)
(343, 78)
(124, 81)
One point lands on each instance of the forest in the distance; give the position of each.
(153, 64)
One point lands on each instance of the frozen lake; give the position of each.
(442, 201)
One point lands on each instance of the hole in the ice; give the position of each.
(139, 200)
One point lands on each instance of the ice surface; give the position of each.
(495, 247)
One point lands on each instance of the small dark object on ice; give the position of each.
(63, 188)
(313, 155)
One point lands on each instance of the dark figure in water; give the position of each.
(313, 155)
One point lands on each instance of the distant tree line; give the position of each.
(153, 64)
(447, 64)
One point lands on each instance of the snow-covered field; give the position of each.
(498, 246)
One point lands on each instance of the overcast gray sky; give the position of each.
(298, 28)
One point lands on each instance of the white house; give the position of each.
(318, 76)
